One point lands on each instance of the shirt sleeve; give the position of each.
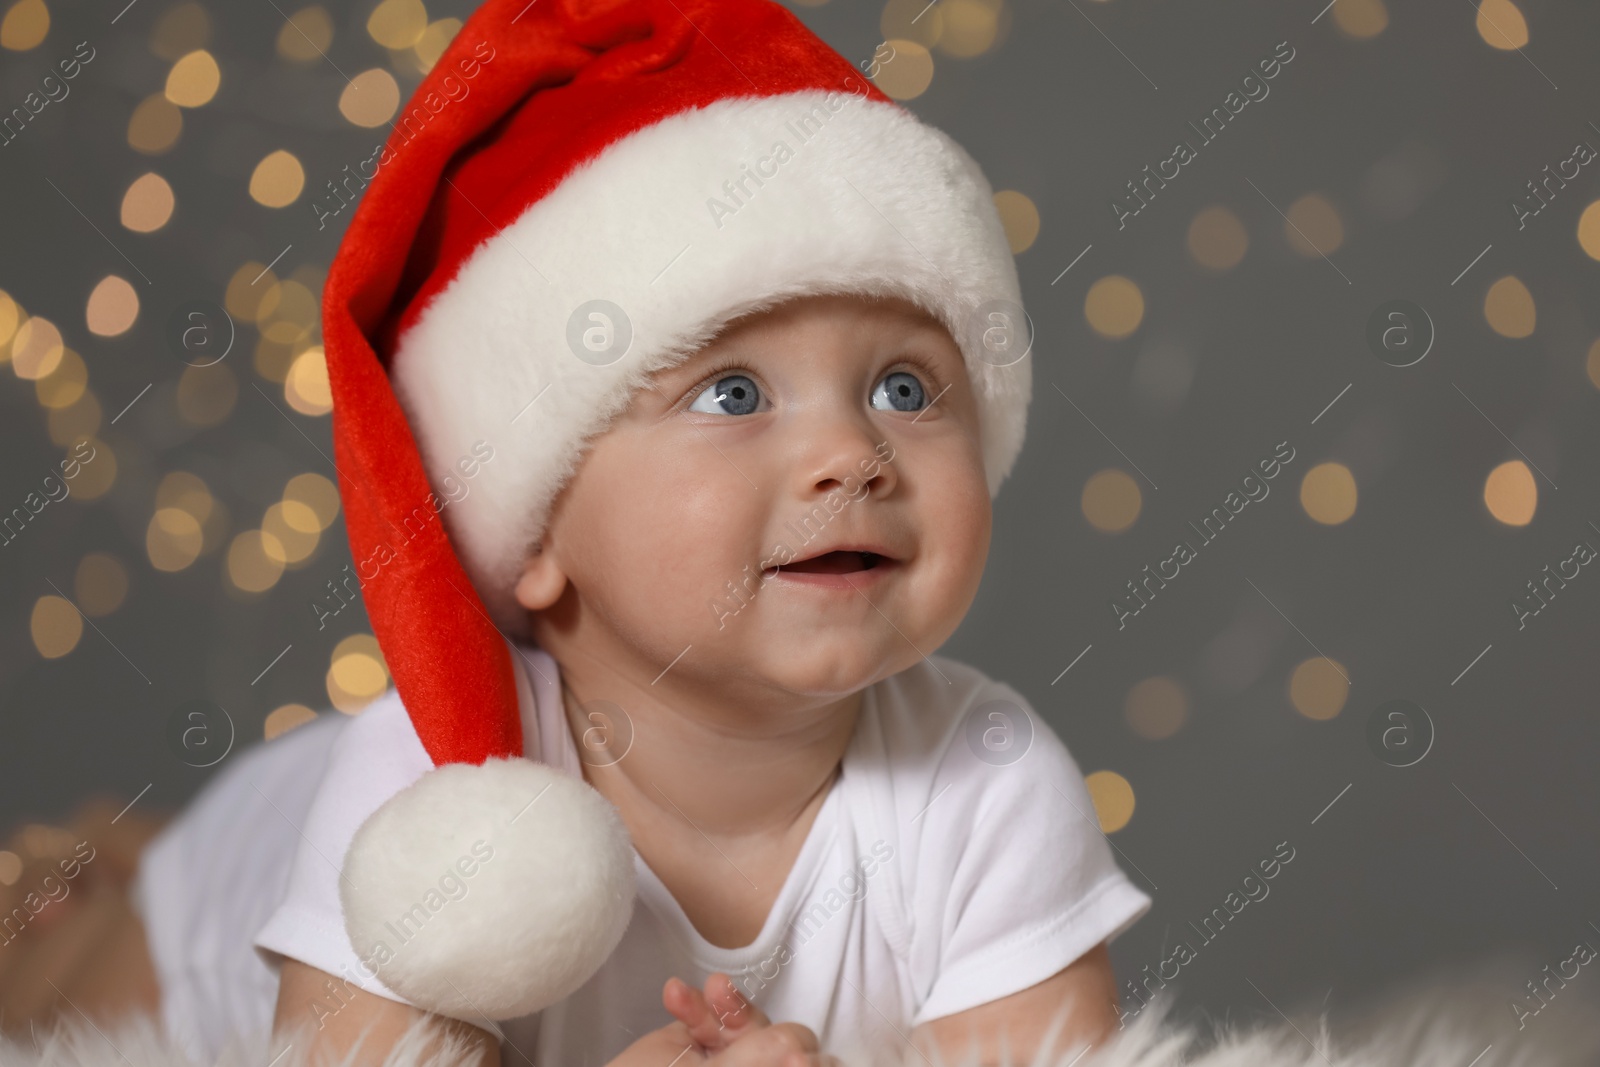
(1014, 879)
(376, 755)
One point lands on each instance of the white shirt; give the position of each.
(931, 881)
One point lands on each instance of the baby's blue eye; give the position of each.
(901, 390)
(733, 395)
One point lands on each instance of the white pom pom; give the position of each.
(489, 891)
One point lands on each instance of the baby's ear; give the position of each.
(541, 582)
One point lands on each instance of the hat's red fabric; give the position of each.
(549, 84)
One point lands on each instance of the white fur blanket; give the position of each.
(1457, 1020)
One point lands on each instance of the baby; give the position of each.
(718, 520)
(805, 769)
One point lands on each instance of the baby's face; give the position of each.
(840, 419)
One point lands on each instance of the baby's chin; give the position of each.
(818, 661)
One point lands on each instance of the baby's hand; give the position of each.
(735, 1031)
(717, 1016)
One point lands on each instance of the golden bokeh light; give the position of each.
(972, 27)
(73, 423)
(155, 125)
(277, 179)
(1511, 494)
(1592, 364)
(306, 35)
(113, 307)
(287, 313)
(1113, 799)
(912, 20)
(1328, 493)
(182, 29)
(273, 360)
(1318, 688)
(1313, 227)
(62, 387)
(10, 867)
(434, 40)
(363, 644)
(271, 294)
(317, 493)
(173, 539)
(281, 720)
(56, 626)
(398, 23)
(101, 584)
(1217, 239)
(1589, 230)
(206, 395)
(1114, 306)
(11, 316)
(1111, 500)
(1156, 707)
(148, 203)
(294, 529)
(357, 674)
(36, 349)
(194, 79)
(306, 389)
(40, 839)
(25, 25)
(371, 98)
(1361, 19)
(1501, 25)
(97, 473)
(908, 74)
(187, 492)
(252, 292)
(311, 274)
(1020, 218)
(255, 561)
(1508, 308)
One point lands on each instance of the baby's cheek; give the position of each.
(688, 539)
(957, 539)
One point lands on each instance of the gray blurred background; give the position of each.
(161, 615)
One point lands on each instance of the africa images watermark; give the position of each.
(452, 886)
(421, 112)
(54, 891)
(1525, 208)
(804, 128)
(1255, 889)
(1582, 553)
(852, 886)
(852, 491)
(51, 90)
(13, 523)
(1255, 489)
(1183, 153)
(1542, 994)
(422, 515)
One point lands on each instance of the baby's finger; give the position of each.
(689, 1006)
(737, 1014)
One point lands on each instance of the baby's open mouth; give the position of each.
(838, 562)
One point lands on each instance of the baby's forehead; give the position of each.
(888, 305)
(883, 314)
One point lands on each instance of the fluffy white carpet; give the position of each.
(1455, 1020)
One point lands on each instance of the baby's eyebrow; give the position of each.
(696, 361)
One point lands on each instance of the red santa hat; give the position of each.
(581, 193)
